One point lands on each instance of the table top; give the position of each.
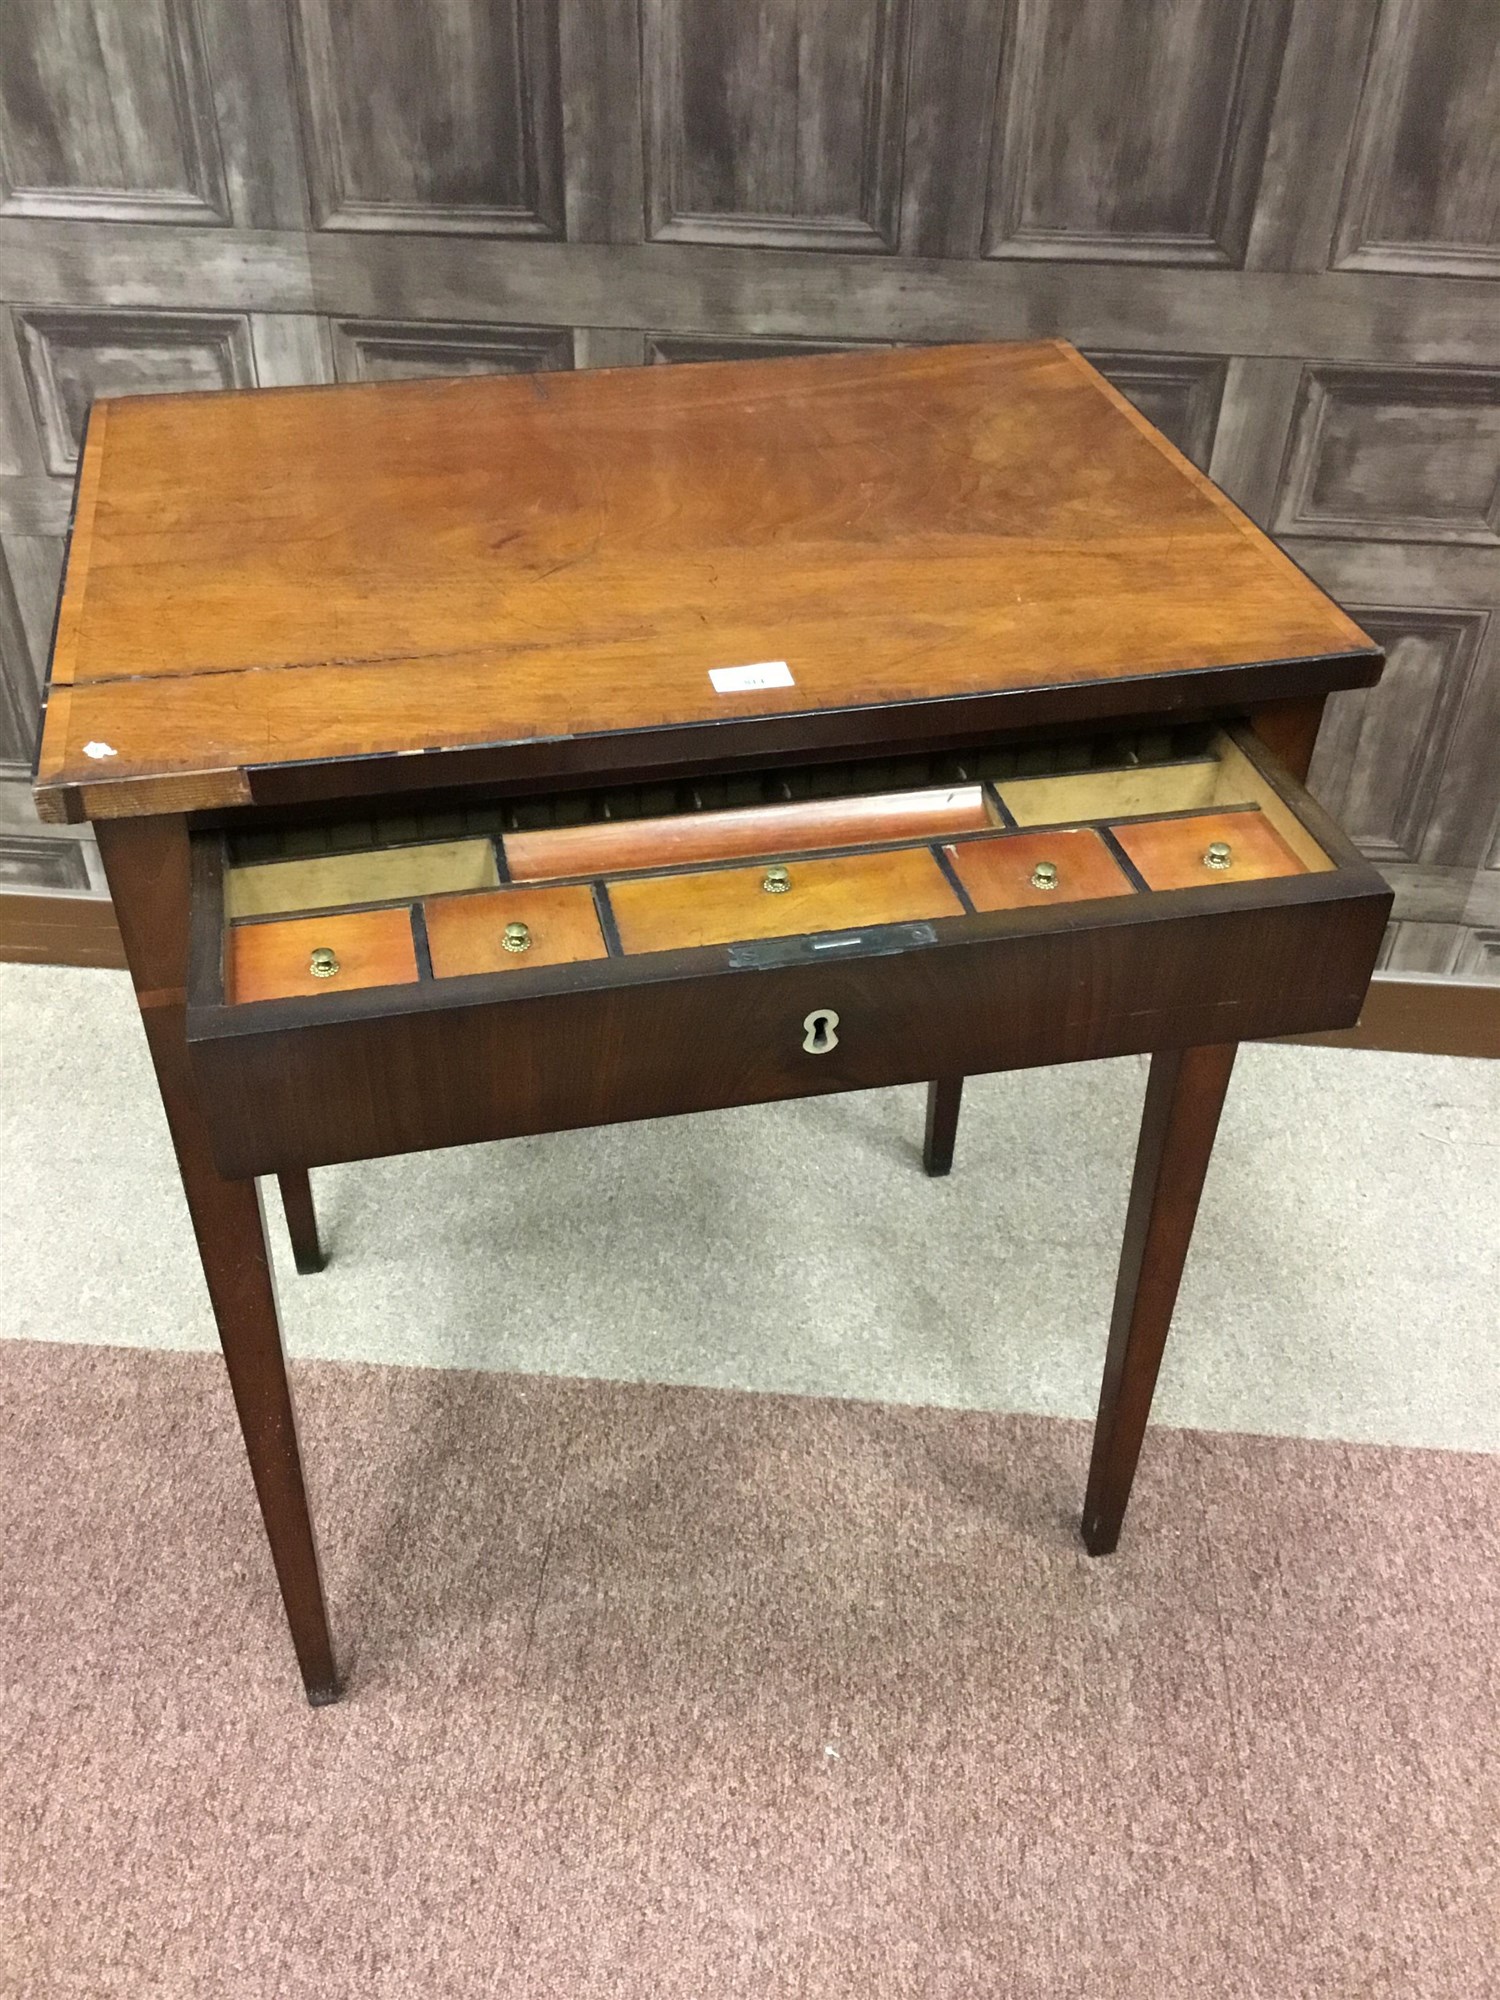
(314, 593)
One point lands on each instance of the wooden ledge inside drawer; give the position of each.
(362, 875)
(274, 961)
(467, 934)
(733, 905)
(1181, 786)
(802, 827)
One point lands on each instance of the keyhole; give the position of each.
(820, 1031)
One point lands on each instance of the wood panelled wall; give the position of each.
(1275, 223)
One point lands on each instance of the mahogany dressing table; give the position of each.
(497, 756)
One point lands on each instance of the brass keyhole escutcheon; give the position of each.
(1044, 875)
(1219, 854)
(323, 964)
(517, 938)
(777, 881)
(820, 1031)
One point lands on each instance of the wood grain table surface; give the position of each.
(336, 577)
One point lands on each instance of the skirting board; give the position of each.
(60, 930)
(1428, 1017)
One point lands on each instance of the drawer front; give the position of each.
(1224, 907)
(407, 1081)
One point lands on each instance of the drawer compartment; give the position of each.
(1072, 865)
(371, 875)
(314, 956)
(1180, 853)
(506, 929)
(776, 899)
(675, 988)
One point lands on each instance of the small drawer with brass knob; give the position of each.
(1009, 873)
(1196, 849)
(512, 930)
(339, 953)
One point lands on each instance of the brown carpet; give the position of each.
(675, 1693)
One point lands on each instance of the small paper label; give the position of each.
(741, 680)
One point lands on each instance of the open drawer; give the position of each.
(358, 990)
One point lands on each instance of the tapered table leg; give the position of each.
(1184, 1096)
(146, 861)
(301, 1221)
(944, 1095)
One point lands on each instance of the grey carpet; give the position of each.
(1343, 1282)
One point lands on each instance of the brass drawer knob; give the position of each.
(1219, 854)
(1044, 875)
(323, 964)
(517, 938)
(777, 881)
